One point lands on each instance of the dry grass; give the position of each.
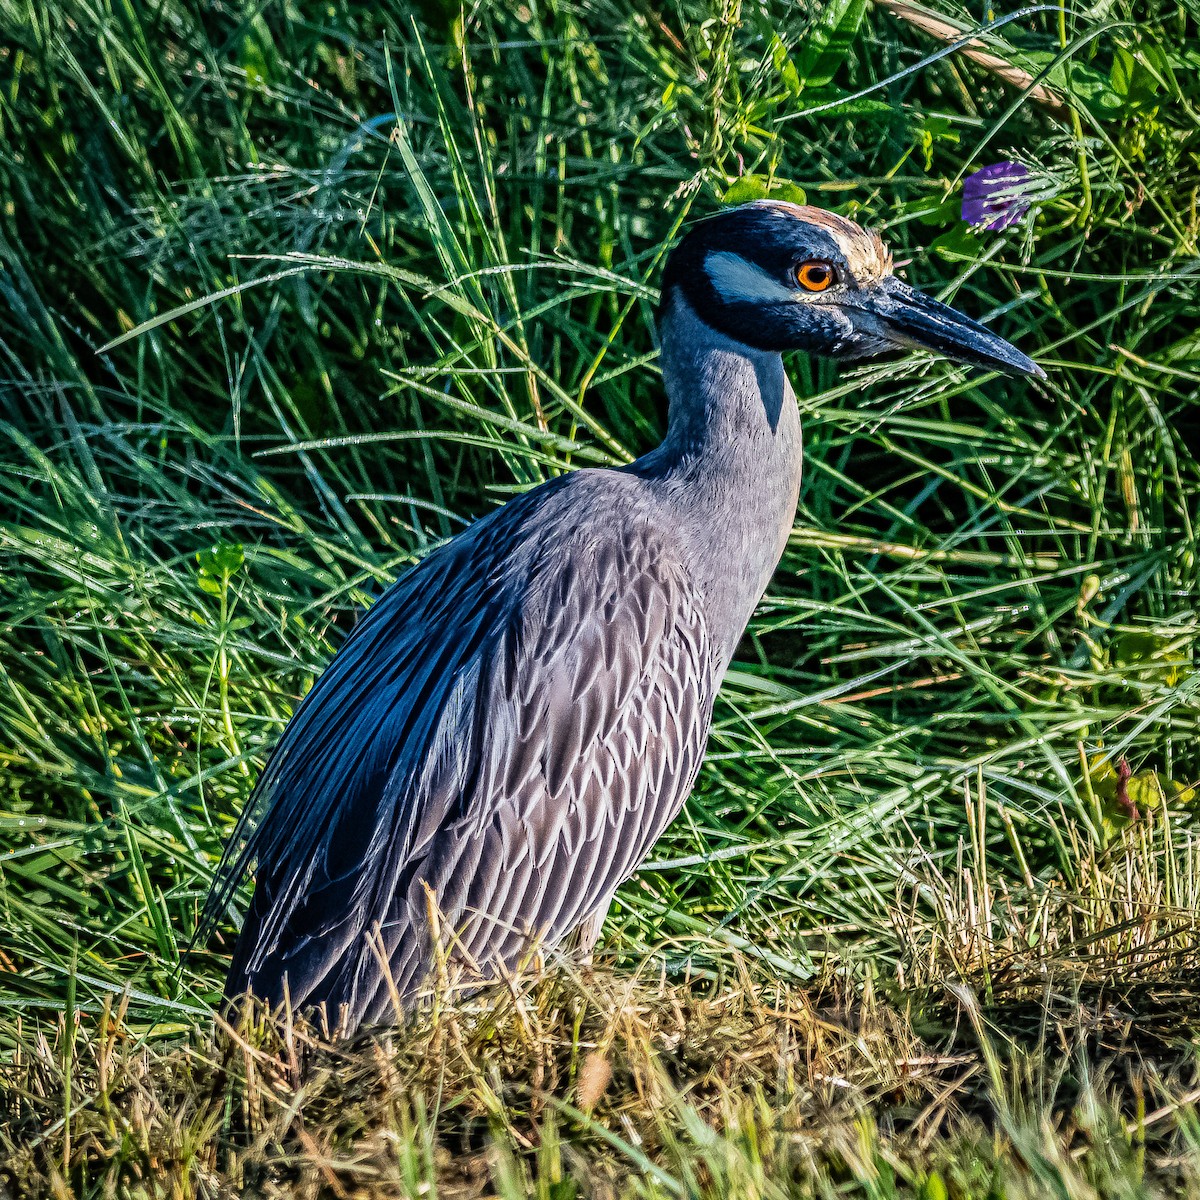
(1130, 904)
(613, 1083)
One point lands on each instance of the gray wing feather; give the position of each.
(513, 725)
(587, 778)
(368, 766)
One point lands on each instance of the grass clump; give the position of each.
(292, 292)
(620, 1084)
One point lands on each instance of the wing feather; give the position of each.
(512, 726)
(608, 773)
(370, 763)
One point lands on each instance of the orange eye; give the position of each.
(814, 276)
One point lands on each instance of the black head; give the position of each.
(778, 276)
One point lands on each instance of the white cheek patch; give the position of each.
(738, 280)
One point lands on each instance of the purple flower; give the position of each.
(994, 197)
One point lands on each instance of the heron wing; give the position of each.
(513, 724)
(342, 786)
(595, 710)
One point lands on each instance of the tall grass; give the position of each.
(291, 292)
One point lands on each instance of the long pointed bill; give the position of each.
(910, 318)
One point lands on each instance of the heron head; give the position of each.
(778, 276)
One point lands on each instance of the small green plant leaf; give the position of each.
(782, 62)
(961, 242)
(828, 44)
(763, 187)
(1133, 79)
(218, 565)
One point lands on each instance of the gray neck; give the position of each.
(729, 467)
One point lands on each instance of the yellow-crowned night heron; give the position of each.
(502, 739)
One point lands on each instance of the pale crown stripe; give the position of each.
(737, 279)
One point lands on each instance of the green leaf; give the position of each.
(218, 565)
(1090, 87)
(1149, 656)
(782, 61)
(958, 243)
(930, 210)
(258, 55)
(864, 106)
(828, 44)
(1144, 791)
(763, 187)
(1121, 73)
(224, 558)
(1132, 79)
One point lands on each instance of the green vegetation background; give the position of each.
(291, 291)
